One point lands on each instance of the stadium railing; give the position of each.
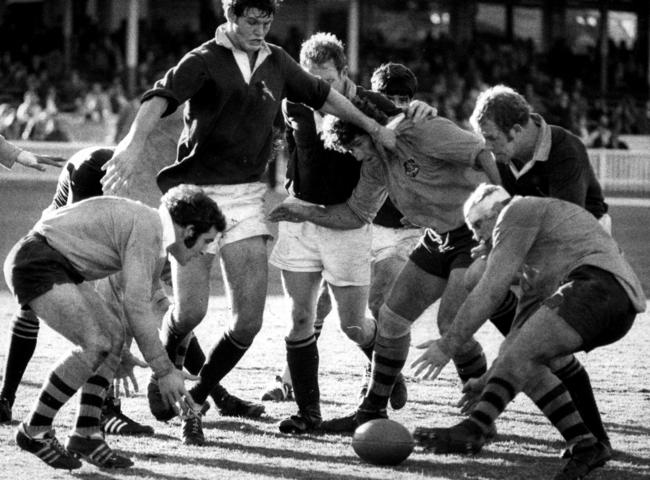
(622, 171)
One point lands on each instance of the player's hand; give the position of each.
(481, 250)
(172, 390)
(37, 162)
(472, 391)
(429, 365)
(384, 138)
(125, 374)
(120, 169)
(419, 110)
(287, 212)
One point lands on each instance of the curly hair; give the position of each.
(238, 7)
(338, 134)
(189, 205)
(394, 79)
(502, 105)
(322, 47)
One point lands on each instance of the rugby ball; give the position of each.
(383, 442)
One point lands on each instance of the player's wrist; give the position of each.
(161, 365)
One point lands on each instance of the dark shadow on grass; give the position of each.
(233, 426)
(511, 466)
(628, 429)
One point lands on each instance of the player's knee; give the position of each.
(361, 330)
(187, 318)
(98, 346)
(247, 331)
(391, 324)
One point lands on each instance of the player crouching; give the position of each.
(50, 270)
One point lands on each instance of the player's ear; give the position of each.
(189, 236)
(345, 71)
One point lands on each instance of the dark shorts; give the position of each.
(32, 268)
(440, 254)
(593, 302)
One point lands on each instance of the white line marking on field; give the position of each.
(628, 202)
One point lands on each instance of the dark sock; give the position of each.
(505, 314)
(194, 357)
(302, 359)
(557, 406)
(172, 338)
(576, 380)
(471, 364)
(222, 358)
(24, 333)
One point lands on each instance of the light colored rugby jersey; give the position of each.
(429, 175)
(101, 236)
(8, 153)
(558, 237)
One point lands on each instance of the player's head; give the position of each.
(323, 55)
(346, 137)
(396, 81)
(482, 208)
(197, 220)
(249, 21)
(500, 116)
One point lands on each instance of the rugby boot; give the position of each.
(113, 421)
(47, 448)
(96, 451)
(585, 456)
(192, 428)
(281, 392)
(232, 406)
(349, 423)
(466, 437)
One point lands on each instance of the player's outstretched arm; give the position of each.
(121, 167)
(38, 162)
(332, 216)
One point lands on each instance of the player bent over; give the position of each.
(578, 293)
(432, 170)
(49, 271)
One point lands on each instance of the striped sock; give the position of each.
(576, 380)
(64, 380)
(22, 343)
(505, 314)
(302, 359)
(556, 404)
(497, 394)
(387, 362)
(471, 364)
(93, 393)
(318, 328)
(222, 358)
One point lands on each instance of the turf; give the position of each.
(526, 448)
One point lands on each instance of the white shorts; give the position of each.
(393, 242)
(243, 206)
(342, 255)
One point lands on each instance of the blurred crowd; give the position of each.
(38, 94)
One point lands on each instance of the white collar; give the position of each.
(542, 146)
(241, 57)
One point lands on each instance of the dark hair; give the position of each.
(240, 6)
(338, 134)
(502, 105)
(189, 205)
(322, 47)
(394, 79)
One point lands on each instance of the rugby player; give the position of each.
(49, 271)
(578, 293)
(307, 253)
(233, 85)
(433, 168)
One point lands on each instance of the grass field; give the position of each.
(526, 448)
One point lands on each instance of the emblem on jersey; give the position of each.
(411, 168)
